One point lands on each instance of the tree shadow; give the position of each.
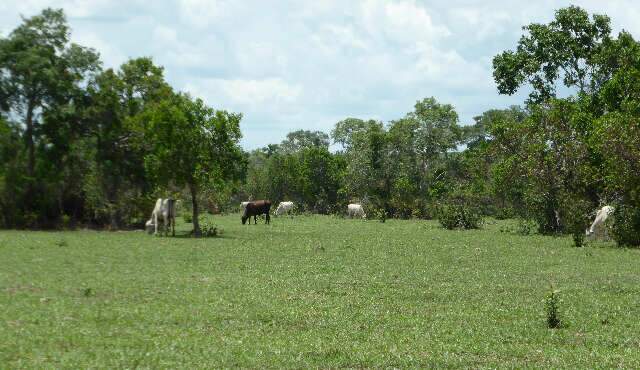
(189, 235)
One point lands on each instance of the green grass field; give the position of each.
(314, 291)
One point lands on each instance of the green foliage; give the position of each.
(576, 218)
(626, 226)
(519, 226)
(188, 218)
(566, 49)
(192, 145)
(207, 227)
(303, 139)
(552, 306)
(459, 216)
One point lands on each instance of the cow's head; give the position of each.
(149, 226)
(244, 219)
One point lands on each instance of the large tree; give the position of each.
(302, 139)
(116, 182)
(42, 87)
(192, 145)
(39, 71)
(567, 49)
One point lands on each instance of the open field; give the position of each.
(314, 291)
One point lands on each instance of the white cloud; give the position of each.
(202, 13)
(288, 64)
(255, 92)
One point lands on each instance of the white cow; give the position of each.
(355, 210)
(243, 205)
(284, 207)
(598, 226)
(165, 208)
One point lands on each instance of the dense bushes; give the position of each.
(626, 226)
(459, 216)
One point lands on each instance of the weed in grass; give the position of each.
(62, 243)
(87, 292)
(552, 305)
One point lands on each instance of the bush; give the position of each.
(505, 213)
(378, 213)
(188, 218)
(454, 216)
(526, 227)
(626, 226)
(552, 305)
(575, 217)
(207, 228)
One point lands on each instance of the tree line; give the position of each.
(80, 144)
(85, 145)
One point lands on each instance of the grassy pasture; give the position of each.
(314, 291)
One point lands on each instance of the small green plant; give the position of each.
(379, 214)
(552, 304)
(207, 228)
(62, 243)
(87, 292)
(188, 218)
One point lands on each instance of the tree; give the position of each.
(302, 139)
(192, 145)
(39, 68)
(320, 176)
(345, 130)
(566, 49)
(117, 187)
(42, 80)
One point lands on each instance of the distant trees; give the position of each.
(394, 169)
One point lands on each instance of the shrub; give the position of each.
(526, 227)
(504, 213)
(575, 217)
(552, 304)
(378, 213)
(454, 216)
(188, 218)
(626, 226)
(207, 228)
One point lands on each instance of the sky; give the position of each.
(289, 65)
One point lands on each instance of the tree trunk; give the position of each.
(29, 141)
(194, 205)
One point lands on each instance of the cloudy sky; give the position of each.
(291, 65)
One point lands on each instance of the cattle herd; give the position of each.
(165, 212)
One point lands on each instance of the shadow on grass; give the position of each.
(189, 235)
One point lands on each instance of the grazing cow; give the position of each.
(165, 208)
(355, 210)
(599, 223)
(255, 208)
(284, 207)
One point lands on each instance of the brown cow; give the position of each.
(255, 208)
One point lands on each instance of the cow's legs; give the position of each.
(155, 223)
(173, 226)
(166, 225)
(268, 218)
